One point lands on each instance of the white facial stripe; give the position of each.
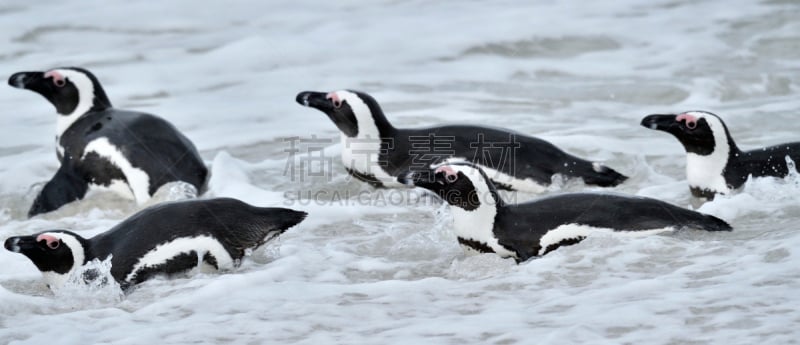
(138, 180)
(705, 172)
(56, 280)
(576, 231)
(477, 225)
(85, 99)
(361, 154)
(200, 245)
(524, 185)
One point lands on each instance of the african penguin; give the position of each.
(162, 239)
(130, 152)
(378, 153)
(714, 164)
(485, 223)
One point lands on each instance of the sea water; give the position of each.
(371, 267)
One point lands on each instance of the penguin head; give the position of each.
(462, 185)
(71, 90)
(355, 113)
(55, 253)
(700, 132)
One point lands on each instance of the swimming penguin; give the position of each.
(162, 239)
(130, 152)
(485, 223)
(376, 152)
(714, 164)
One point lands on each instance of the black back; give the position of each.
(520, 226)
(768, 161)
(506, 151)
(235, 224)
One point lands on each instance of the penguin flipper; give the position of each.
(65, 187)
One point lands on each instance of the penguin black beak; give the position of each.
(666, 122)
(316, 100)
(26, 80)
(20, 244)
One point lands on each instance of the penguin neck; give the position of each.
(382, 124)
(477, 225)
(374, 136)
(374, 125)
(91, 98)
(707, 172)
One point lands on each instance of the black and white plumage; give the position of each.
(714, 164)
(98, 146)
(378, 153)
(484, 222)
(163, 239)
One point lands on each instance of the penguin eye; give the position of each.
(337, 103)
(451, 178)
(691, 124)
(53, 244)
(59, 82)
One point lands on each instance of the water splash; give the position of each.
(765, 196)
(91, 285)
(174, 191)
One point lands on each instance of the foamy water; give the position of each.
(384, 268)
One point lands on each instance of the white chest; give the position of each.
(362, 154)
(705, 172)
(477, 225)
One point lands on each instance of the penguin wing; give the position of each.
(65, 186)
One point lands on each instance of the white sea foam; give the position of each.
(90, 285)
(581, 76)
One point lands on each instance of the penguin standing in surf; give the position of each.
(378, 153)
(131, 153)
(485, 223)
(164, 239)
(714, 164)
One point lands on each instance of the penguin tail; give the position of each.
(285, 218)
(266, 224)
(711, 223)
(600, 175)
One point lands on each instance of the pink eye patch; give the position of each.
(691, 121)
(52, 241)
(58, 78)
(337, 102)
(449, 174)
